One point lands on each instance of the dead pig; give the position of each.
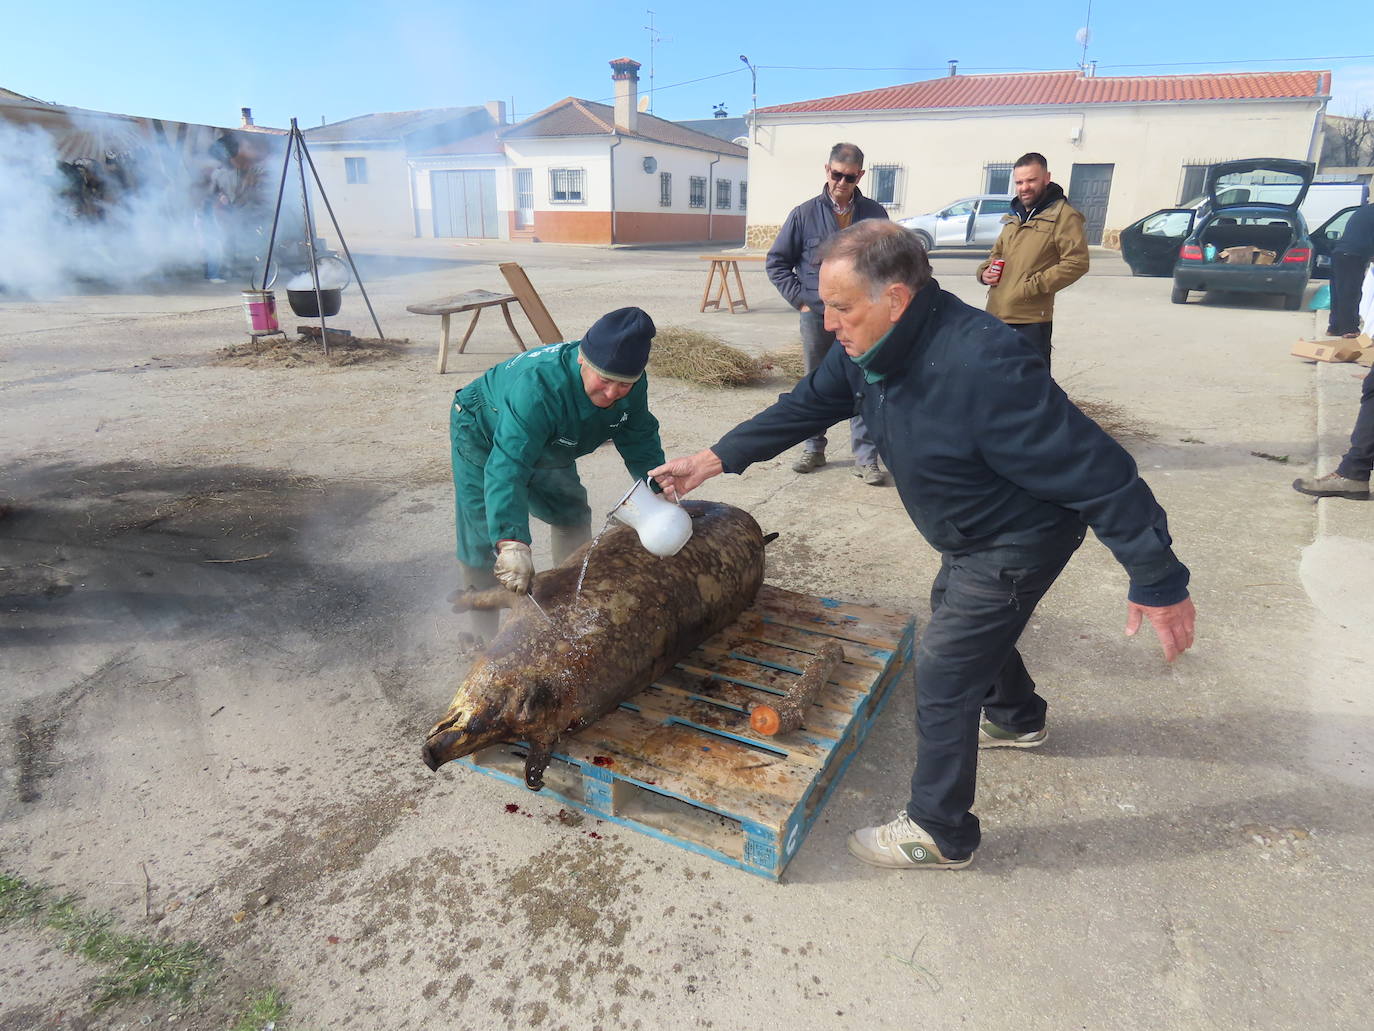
(636, 616)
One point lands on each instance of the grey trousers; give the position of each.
(563, 541)
(816, 342)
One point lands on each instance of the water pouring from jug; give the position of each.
(663, 527)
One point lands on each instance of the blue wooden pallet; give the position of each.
(680, 762)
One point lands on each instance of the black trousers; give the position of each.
(1347, 280)
(1037, 334)
(967, 661)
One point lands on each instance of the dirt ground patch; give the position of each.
(291, 353)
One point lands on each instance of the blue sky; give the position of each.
(201, 63)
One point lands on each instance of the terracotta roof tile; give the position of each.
(1069, 87)
(574, 117)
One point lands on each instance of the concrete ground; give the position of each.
(224, 637)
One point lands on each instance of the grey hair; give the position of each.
(848, 153)
(882, 253)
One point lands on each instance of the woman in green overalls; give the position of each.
(516, 433)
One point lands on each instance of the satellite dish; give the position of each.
(643, 103)
(651, 165)
(1083, 36)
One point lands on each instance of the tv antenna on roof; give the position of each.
(1084, 36)
(654, 40)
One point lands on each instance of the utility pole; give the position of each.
(754, 98)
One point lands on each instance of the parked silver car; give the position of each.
(968, 222)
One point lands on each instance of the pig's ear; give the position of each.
(535, 764)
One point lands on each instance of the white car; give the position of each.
(967, 222)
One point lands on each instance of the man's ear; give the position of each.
(898, 297)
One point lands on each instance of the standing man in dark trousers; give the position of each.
(1349, 260)
(1042, 250)
(794, 268)
(1001, 473)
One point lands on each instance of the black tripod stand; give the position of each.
(296, 144)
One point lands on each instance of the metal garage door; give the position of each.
(1089, 189)
(465, 203)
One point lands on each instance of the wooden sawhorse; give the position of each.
(473, 301)
(724, 264)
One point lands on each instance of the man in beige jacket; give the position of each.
(1042, 249)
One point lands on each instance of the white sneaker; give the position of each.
(901, 845)
(990, 735)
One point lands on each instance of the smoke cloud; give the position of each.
(129, 218)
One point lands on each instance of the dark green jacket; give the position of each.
(532, 412)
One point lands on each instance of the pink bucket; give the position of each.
(260, 309)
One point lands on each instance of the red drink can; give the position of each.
(996, 266)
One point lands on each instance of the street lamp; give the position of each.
(753, 107)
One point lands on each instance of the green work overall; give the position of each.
(516, 433)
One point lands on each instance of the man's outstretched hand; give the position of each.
(1173, 624)
(682, 475)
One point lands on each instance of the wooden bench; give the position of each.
(724, 264)
(473, 301)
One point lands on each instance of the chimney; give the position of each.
(953, 68)
(625, 75)
(247, 114)
(1092, 69)
(497, 110)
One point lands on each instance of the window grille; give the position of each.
(697, 194)
(883, 184)
(665, 189)
(565, 186)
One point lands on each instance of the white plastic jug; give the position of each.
(663, 527)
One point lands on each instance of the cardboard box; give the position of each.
(1330, 350)
(1265, 257)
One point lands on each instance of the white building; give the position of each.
(583, 172)
(364, 163)
(1120, 146)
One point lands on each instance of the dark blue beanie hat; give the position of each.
(617, 345)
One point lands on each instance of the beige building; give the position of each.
(1120, 146)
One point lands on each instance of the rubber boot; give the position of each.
(564, 540)
(485, 622)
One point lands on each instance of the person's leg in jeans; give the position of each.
(816, 341)
(1037, 334)
(967, 660)
(1359, 458)
(1347, 275)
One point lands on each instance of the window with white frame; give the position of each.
(696, 196)
(883, 184)
(743, 194)
(665, 189)
(723, 189)
(565, 186)
(997, 177)
(355, 171)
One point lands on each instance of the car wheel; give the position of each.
(926, 242)
(1179, 296)
(1292, 302)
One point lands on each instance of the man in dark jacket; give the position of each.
(794, 268)
(1001, 473)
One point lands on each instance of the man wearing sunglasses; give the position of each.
(794, 267)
